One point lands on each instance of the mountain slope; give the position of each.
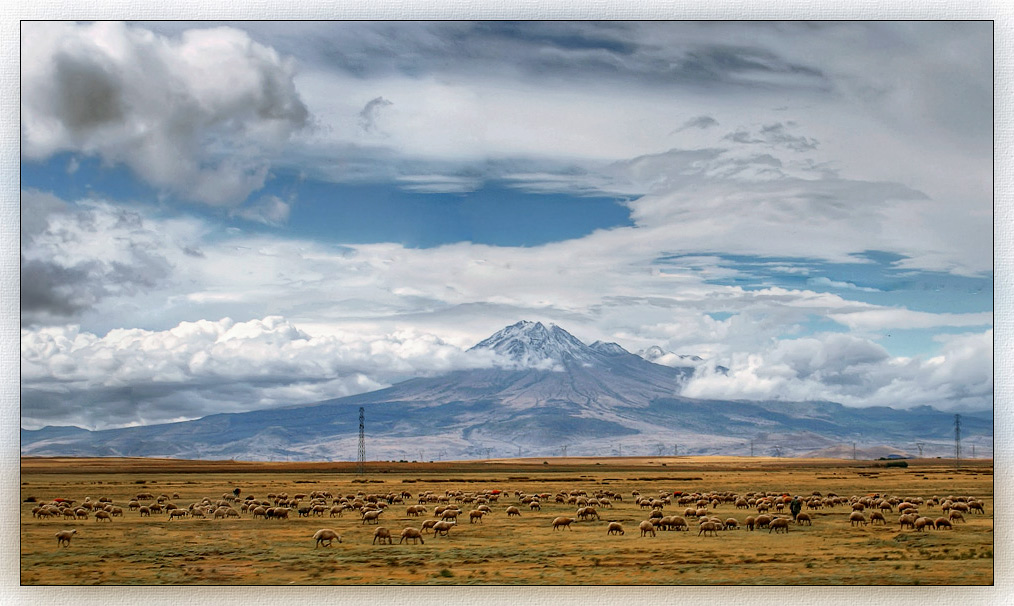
(550, 391)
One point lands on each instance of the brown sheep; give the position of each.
(943, 523)
(103, 515)
(442, 528)
(804, 518)
(711, 527)
(175, 513)
(428, 524)
(614, 528)
(416, 510)
(732, 523)
(646, 527)
(955, 515)
(922, 523)
(762, 521)
(372, 515)
(563, 522)
(63, 537)
(513, 511)
(325, 535)
(779, 523)
(474, 515)
(383, 534)
(750, 522)
(856, 518)
(907, 520)
(412, 533)
(876, 516)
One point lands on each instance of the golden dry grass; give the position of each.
(136, 550)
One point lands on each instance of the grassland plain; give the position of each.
(135, 550)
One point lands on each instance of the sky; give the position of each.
(220, 217)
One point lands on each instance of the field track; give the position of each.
(502, 551)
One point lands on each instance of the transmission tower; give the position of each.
(361, 461)
(957, 440)
(919, 445)
(778, 450)
(563, 450)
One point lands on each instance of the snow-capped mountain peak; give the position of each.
(533, 344)
(657, 355)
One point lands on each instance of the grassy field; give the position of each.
(502, 551)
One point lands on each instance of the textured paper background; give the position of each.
(1002, 13)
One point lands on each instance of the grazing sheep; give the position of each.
(976, 506)
(325, 535)
(412, 533)
(175, 513)
(907, 520)
(443, 527)
(566, 522)
(614, 528)
(63, 537)
(707, 527)
(677, 523)
(513, 511)
(428, 524)
(731, 523)
(762, 521)
(535, 506)
(645, 527)
(750, 522)
(450, 514)
(779, 523)
(875, 516)
(955, 515)
(383, 534)
(416, 510)
(922, 523)
(474, 515)
(805, 518)
(144, 511)
(372, 515)
(857, 518)
(103, 515)
(942, 523)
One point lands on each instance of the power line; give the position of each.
(361, 461)
(957, 441)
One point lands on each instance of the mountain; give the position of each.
(549, 391)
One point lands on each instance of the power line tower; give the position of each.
(361, 460)
(919, 445)
(563, 450)
(957, 441)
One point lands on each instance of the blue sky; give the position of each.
(806, 204)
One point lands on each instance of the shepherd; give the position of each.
(795, 506)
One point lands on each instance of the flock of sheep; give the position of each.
(665, 511)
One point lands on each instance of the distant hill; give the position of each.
(553, 395)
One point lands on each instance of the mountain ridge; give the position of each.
(550, 392)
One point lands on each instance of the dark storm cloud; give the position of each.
(59, 279)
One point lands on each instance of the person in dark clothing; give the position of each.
(795, 506)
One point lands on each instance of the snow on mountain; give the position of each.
(657, 355)
(534, 345)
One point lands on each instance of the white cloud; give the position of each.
(197, 115)
(856, 372)
(197, 368)
(887, 318)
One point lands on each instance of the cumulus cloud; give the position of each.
(134, 376)
(856, 372)
(195, 115)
